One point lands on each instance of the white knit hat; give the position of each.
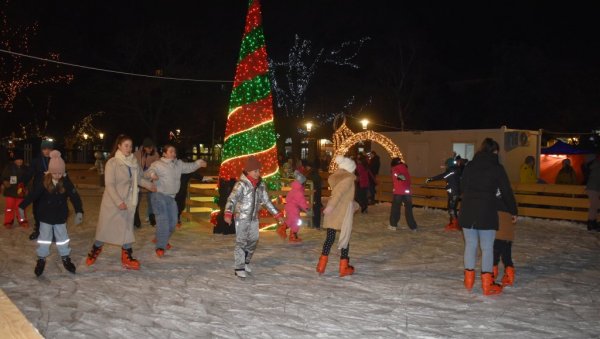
(345, 163)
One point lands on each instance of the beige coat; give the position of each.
(115, 226)
(342, 201)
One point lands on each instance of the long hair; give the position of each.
(49, 185)
(120, 139)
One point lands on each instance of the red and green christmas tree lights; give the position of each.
(250, 129)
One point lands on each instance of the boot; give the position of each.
(168, 244)
(294, 238)
(93, 255)
(39, 267)
(455, 225)
(345, 269)
(322, 264)
(160, 252)
(509, 276)
(469, 279)
(128, 261)
(152, 219)
(488, 286)
(495, 272)
(68, 264)
(281, 231)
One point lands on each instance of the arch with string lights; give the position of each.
(344, 138)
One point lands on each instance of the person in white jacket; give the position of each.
(166, 173)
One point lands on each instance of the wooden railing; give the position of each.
(564, 202)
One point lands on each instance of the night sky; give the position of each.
(526, 65)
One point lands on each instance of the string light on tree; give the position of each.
(17, 76)
(250, 129)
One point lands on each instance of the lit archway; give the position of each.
(352, 139)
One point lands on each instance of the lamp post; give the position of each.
(364, 123)
(310, 154)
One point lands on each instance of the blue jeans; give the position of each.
(165, 210)
(483, 238)
(45, 239)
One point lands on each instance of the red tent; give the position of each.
(552, 157)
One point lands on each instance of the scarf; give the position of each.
(132, 165)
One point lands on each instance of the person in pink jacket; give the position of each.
(294, 203)
(402, 195)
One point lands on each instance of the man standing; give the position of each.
(39, 166)
(374, 164)
(146, 155)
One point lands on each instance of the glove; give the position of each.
(428, 180)
(78, 218)
(401, 177)
(21, 214)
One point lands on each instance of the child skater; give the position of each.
(452, 176)
(503, 243)
(52, 194)
(247, 195)
(294, 203)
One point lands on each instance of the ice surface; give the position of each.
(406, 285)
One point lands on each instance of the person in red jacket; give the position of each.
(402, 195)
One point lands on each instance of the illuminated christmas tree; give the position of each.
(250, 129)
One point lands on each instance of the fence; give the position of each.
(563, 202)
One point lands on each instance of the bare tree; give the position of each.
(292, 78)
(16, 75)
(396, 74)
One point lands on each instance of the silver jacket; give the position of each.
(245, 201)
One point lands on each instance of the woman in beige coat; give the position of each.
(339, 213)
(122, 176)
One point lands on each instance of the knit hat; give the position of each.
(345, 163)
(56, 164)
(147, 142)
(46, 144)
(252, 164)
(299, 177)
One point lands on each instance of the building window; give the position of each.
(465, 150)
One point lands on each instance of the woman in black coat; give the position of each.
(483, 178)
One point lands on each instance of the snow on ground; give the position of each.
(406, 284)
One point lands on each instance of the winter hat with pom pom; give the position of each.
(56, 164)
(345, 163)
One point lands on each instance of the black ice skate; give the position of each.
(39, 267)
(69, 266)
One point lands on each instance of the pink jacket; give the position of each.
(401, 187)
(294, 203)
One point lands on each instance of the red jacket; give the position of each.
(401, 187)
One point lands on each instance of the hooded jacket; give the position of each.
(482, 178)
(294, 203)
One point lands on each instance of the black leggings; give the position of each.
(503, 249)
(329, 242)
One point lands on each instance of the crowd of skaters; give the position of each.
(486, 218)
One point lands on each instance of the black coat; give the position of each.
(481, 180)
(52, 206)
(22, 174)
(39, 166)
(452, 176)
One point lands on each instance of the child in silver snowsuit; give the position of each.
(244, 202)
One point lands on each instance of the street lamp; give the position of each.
(85, 136)
(309, 126)
(101, 135)
(364, 123)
